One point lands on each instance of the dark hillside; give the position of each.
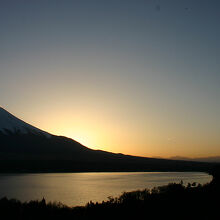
(38, 153)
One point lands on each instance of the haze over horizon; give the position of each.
(133, 77)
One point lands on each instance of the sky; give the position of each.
(138, 77)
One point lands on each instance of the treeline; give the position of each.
(173, 201)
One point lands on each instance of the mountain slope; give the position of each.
(11, 124)
(24, 148)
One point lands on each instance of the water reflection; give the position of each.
(79, 188)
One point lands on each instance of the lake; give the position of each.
(79, 188)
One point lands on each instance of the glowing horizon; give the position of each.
(109, 139)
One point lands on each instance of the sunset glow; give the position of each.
(127, 77)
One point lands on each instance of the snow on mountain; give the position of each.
(9, 123)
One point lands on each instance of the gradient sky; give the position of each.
(139, 77)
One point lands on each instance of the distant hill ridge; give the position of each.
(199, 159)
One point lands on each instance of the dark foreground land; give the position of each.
(174, 201)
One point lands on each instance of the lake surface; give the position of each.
(79, 188)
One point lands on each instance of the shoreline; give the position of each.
(144, 181)
(193, 200)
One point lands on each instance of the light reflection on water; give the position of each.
(79, 188)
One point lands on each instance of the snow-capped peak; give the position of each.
(9, 122)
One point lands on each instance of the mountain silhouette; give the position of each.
(11, 124)
(25, 148)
